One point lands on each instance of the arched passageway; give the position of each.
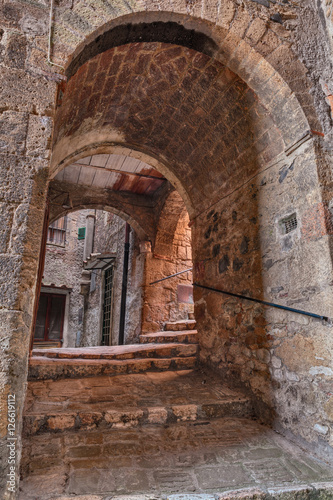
(226, 116)
(237, 160)
(138, 193)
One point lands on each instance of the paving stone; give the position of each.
(174, 480)
(299, 492)
(222, 476)
(178, 459)
(129, 400)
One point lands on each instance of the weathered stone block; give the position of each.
(39, 136)
(61, 422)
(16, 50)
(22, 92)
(5, 229)
(13, 132)
(9, 289)
(16, 178)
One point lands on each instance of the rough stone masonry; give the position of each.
(231, 102)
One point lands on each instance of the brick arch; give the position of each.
(177, 105)
(234, 35)
(132, 222)
(95, 146)
(226, 146)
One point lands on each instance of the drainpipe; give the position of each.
(89, 236)
(124, 287)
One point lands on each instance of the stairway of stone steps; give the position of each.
(172, 435)
(175, 348)
(144, 422)
(129, 400)
(182, 331)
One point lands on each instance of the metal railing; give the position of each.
(244, 297)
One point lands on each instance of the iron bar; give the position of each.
(124, 287)
(270, 304)
(171, 276)
(244, 297)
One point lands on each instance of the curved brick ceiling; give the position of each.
(166, 32)
(175, 104)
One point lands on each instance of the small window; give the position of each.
(81, 233)
(288, 224)
(57, 232)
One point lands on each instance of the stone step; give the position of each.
(178, 326)
(129, 401)
(120, 352)
(44, 368)
(184, 337)
(84, 418)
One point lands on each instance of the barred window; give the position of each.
(57, 231)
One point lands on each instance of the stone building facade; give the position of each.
(65, 274)
(230, 102)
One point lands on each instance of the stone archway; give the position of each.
(240, 132)
(254, 43)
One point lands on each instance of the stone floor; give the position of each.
(164, 461)
(177, 452)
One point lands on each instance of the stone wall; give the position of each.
(284, 358)
(282, 52)
(172, 253)
(26, 109)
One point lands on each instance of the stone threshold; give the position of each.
(43, 368)
(312, 491)
(168, 350)
(185, 337)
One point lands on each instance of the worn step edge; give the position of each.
(184, 337)
(181, 325)
(42, 368)
(133, 417)
(311, 491)
(170, 350)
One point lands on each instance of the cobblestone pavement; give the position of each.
(181, 461)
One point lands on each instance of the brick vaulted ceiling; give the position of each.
(174, 104)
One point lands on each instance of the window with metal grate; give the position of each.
(107, 307)
(288, 224)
